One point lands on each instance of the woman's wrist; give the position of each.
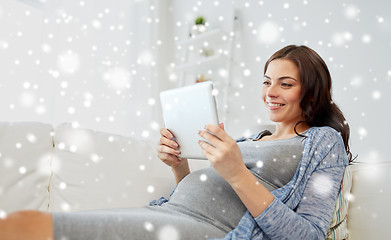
(253, 194)
(181, 170)
(237, 179)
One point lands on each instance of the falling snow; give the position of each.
(117, 78)
(3, 214)
(259, 164)
(322, 184)
(268, 33)
(68, 62)
(65, 207)
(351, 12)
(150, 189)
(31, 138)
(168, 233)
(22, 170)
(62, 185)
(362, 132)
(203, 177)
(148, 226)
(104, 70)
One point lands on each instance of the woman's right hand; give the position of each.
(168, 150)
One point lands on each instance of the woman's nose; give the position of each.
(272, 91)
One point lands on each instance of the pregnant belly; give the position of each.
(206, 195)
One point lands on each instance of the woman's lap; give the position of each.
(131, 223)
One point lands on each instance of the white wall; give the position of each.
(353, 37)
(134, 41)
(88, 62)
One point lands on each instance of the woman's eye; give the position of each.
(286, 85)
(266, 83)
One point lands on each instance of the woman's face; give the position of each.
(281, 92)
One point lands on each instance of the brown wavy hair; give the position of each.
(316, 102)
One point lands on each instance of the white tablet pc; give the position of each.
(186, 110)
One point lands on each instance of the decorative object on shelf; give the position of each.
(198, 27)
(201, 78)
(206, 52)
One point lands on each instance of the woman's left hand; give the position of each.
(223, 152)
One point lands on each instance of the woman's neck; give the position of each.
(287, 131)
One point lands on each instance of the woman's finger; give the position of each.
(207, 147)
(166, 133)
(165, 149)
(169, 143)
(168, 138)
(216, 142)
(217, 131)
(207, 155)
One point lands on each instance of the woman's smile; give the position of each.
(274, 105)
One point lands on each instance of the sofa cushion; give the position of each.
(94, 170)
(369, 208)
(338, 225)
(25, 153)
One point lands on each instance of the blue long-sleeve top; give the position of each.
(303, 208)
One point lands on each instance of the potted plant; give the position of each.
(199, 20)
(199, 26)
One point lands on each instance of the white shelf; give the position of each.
(203, 64)
(211, 37)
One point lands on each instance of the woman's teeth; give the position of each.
(275, 104)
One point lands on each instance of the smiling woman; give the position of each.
(280, 185)
(316, 103)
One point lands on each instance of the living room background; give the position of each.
(101, 65)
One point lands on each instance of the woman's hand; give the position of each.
(168, 151)
(223, 152)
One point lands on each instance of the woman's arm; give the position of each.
(311, 218)
(310, 200)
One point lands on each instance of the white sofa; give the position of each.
(73, 169)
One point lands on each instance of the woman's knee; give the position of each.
(27, 224)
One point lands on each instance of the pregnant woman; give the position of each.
(272, 185)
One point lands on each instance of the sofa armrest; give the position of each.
(93, 170)
(25, 155)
